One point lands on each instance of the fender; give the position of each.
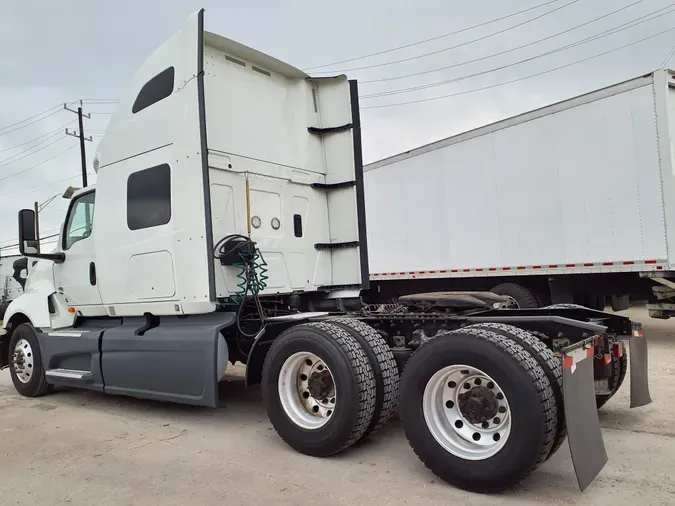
(34, 306)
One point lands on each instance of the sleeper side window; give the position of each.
(156, 89)
(149, 197)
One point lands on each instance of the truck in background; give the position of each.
(228, 225)
(13, 273)
(570, 203)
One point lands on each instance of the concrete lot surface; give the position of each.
(77, 447)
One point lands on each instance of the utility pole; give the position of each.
(80, 134)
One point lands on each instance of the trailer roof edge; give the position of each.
(591, 96)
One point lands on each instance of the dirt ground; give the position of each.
(79, 447)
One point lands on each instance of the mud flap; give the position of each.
(583, 425)
(639, 381)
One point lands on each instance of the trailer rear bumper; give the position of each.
(584, 434)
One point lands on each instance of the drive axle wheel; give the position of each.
(307, 390)
(477, 409)
(548, 362)
(466, 412)
(25, 362)
(318, 388)
(384, 366)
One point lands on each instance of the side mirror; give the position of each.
(29, 244)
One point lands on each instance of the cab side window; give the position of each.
(80, 220)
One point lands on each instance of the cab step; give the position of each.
(69, 374)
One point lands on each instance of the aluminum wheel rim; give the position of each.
(22, 361)
(307, 390)
(450, 420)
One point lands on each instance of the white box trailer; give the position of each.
(571, 203)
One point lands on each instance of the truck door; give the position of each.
(75, 278)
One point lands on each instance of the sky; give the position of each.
(56, 52)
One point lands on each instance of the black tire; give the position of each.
(384, 367)
(37, 385)
(619, 368)
(3, 309)
(596, 302)
(354, 383)
(620, 302)
(544, 298)
(565, 306)
(549, 363)
(528, 391)
(599, 302)
(524, 297)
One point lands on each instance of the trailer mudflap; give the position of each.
(639, 380)
(583, 425)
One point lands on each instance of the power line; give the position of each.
(668, 57)
(520, 78)
(29, 118)
(11, 246)
(55, 231)
(522, 23)
(38, 164)
(31, 123)
(413, 74)
(29, 154)
(101, 101)
(8, 159)
(597, 36)
(433, 38)
(32, 190)
(37, 138)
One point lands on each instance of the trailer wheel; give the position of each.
(477, 409)
(620, 302)
(318, 388)
(25, 362)
(384, 367)
(519, 297)
(548, 362)
(619, 368)
(596, 302)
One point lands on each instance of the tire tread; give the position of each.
(385, 369)
(528, 297)
(549, 363)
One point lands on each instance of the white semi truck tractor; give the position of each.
(227, 225)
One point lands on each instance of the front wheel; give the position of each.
(25, 361)
(477, 409)
(318, 388)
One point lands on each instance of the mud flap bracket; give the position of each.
(583, 425)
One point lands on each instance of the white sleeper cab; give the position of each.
(228, 225)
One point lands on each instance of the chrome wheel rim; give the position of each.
(467, 412)
(22, 361)
(307, 390)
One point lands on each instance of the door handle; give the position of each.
(92, 274)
